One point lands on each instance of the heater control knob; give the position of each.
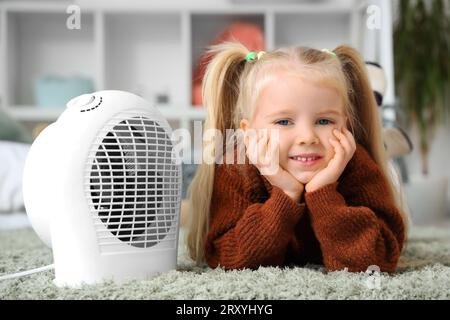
(81, 101)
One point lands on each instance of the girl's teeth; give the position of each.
(304, 159)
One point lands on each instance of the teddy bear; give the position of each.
(396, 140)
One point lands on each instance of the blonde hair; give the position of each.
(230, 89)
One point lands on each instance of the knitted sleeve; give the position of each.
(247, 231)
(356, 220)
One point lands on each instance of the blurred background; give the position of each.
(52, 51)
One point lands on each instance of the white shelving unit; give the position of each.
(150, 47)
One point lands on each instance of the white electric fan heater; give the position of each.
(102, 188)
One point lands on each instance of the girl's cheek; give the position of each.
(283, 148)
(327, 134)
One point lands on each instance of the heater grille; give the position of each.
(133, 185)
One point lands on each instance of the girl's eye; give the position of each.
(324, 122)
(283, 122)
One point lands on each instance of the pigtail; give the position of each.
(366, 124)
(220, 94)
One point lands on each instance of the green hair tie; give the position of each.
(329, 52)
(250, 56)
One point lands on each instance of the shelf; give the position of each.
(35, 6)
(142, 55)
(39, 44)
(219, 6)
(334, 29)
(149, 48)
(34, 113)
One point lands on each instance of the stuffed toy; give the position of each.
(396, 141)
(249, 34)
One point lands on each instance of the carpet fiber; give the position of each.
(423, 273)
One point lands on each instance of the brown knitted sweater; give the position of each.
(352, 223)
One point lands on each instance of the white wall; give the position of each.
(439, 164)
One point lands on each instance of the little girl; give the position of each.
(331, 201)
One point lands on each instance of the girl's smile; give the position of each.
(307, 159)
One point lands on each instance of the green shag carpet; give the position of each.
(423, 273)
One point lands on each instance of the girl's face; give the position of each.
(305, 115)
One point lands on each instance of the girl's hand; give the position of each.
(263, 152)
(344, 148)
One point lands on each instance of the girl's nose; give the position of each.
(306, 136)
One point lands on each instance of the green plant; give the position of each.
(422, 67)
